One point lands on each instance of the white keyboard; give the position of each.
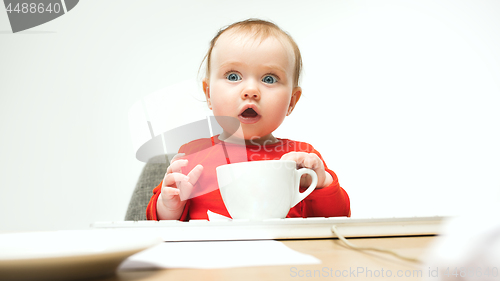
(289, 228)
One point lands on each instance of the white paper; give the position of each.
(216, 254)
(214, 216)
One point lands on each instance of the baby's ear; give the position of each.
(206, 90)
(296, 93)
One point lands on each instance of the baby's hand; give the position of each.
(176, 188)
(311, 161)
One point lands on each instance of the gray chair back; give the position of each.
(152, 174)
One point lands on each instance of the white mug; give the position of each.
(261, 190)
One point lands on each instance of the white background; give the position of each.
(400, 97)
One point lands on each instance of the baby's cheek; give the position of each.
(276, 118)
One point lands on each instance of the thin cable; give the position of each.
(342, 238)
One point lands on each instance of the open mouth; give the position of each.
(249, 116)
(249, 113)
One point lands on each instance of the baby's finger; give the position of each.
(168, 192)
(174, 179)
(186, 188)
(289, 156)
(312, 161)
(298, 157)
(175, 166)
(195, 174)
(177, 156)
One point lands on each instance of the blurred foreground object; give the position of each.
(469, 249)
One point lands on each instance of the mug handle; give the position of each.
(297, 197)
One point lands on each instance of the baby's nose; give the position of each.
(251, 91)
(253, 95)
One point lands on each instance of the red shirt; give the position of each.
(330, 201)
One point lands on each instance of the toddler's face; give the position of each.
(253, 82)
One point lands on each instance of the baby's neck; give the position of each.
(265, 140)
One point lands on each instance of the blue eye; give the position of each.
(269, 79)
(233, 77)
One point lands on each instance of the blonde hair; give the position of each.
(260, 29)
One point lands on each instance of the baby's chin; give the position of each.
(249, 134)
(260, 139)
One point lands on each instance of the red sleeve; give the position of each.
(151, 209)
(329, 201)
